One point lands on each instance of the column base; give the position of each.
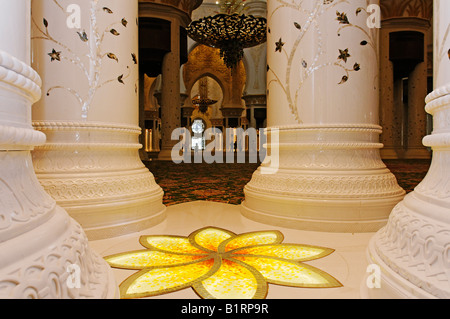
(100, 180)
(413, 249)
(108, 204)
(324, 215)
(324, 178)
(45, 253)
(391, 284)
(411, 252)
(114, 219)
(49, 260)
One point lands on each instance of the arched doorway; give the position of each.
(207, 87)
(203, 62)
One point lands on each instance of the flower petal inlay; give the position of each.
(180, 245)
(150, 258)
(210, 238)
(286, 251)
(157, 281)
(219, 264)
(284, 272)
(232, 281)
(252, 239)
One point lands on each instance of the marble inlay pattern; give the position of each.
(219, 264)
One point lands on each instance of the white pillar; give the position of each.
(43, 252)
(412, 251)
(323, 85)
(87, 53)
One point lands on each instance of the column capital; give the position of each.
(255, 100)
(231, 111)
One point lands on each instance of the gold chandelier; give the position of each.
(230, 31)
(201, 101)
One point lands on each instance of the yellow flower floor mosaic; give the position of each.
(218, 264)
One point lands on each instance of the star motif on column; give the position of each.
(279, 45)
(342, 18)
(55, 55)
(83, 36)
(343, 55)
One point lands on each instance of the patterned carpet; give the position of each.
(225, 182)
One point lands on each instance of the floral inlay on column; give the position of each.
(315, 24)
(219, 264)
(94, 40)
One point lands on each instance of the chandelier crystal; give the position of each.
(230, 31)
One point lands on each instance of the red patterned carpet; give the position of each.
(225, 182)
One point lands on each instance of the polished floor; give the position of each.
(202, 196)
(347, 263)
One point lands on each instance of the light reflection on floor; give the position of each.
(347, 263)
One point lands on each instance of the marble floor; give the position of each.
(347, 263)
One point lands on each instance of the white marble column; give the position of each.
(413, 249)
(43, 252)
(323, 86)
(87, 53)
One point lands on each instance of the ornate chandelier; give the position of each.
(203, 104)
(229, 31)
(201, 100)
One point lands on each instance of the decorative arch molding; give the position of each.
(215, 77)
(192, 45)
(407, 8)
(206, 61)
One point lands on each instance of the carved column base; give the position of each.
(93, 170)
(43, 252)
(328, 179)
(42, 241)
(413, 250)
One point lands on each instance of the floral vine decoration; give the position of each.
(311, 65)
(219, 264)
(95, 55)
(344, 54)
